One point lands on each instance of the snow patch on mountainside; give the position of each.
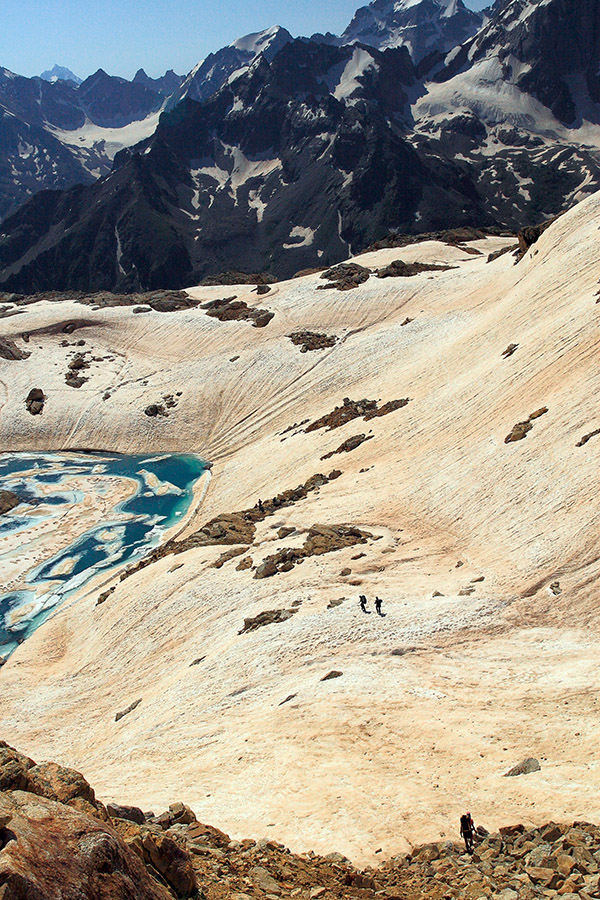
(360, 63)
(486, 91)
(302, 237)
(106, 141)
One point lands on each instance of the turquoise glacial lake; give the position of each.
(56, 488)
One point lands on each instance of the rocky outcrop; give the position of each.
(58, 842)
(78, 364)
(353, 409)
(310, 340)
(161, 855)
(587, 437)
(236, 527)
(50, 850)
(345, 277)
(129, 709)
(352, 443)
(231, 309)
(258, 278)
(522, 429)
(20, 773)
(54, 852)
(320, 539)
(531, 234)
(268, 617)
(400, 269)
(455, 237)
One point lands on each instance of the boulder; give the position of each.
(182, 814)
(14, 769)
(264, 880)
(57, 852)
(65, 786)
(526, 767)
(130, 813)
(171, 861)
(8, 501)
(35, 401)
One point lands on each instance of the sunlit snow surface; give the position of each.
(81, 514)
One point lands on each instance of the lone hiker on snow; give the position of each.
(467, 827)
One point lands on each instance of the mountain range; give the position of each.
(277, 154)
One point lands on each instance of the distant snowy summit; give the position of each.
(60, 73)
(213, 72)
(422, 26)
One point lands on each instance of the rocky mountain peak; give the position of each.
(213, 72)
(60, 73)
(424, 26)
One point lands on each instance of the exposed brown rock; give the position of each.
(310, 271)
(49, 851)
(229, 554)
(130, 813)
(35, 401)
(19, 773)
(73, 377)
(353, 409)
(59, 853)
(510, 350)
(521, 429)
(349, 445)
(129, 709)
(387, 408)
(9, 350)
(532, 233)
(455, 237)
(268, 617)
(587, 437)
(345, 277)
(524, 768)
(320, 539)
(237, 527)
(311, 340)
(333, 674)
(512, 248)
(400, 269)
(8, 501)
(231, 309)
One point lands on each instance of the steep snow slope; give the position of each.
(463, 677)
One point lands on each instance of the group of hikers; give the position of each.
(363, 605)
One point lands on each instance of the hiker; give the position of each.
(378, 602)
(363, 602)
(261, 506)
(467, 827)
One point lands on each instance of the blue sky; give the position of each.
(156, 35)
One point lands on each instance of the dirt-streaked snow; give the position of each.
(463, 677)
